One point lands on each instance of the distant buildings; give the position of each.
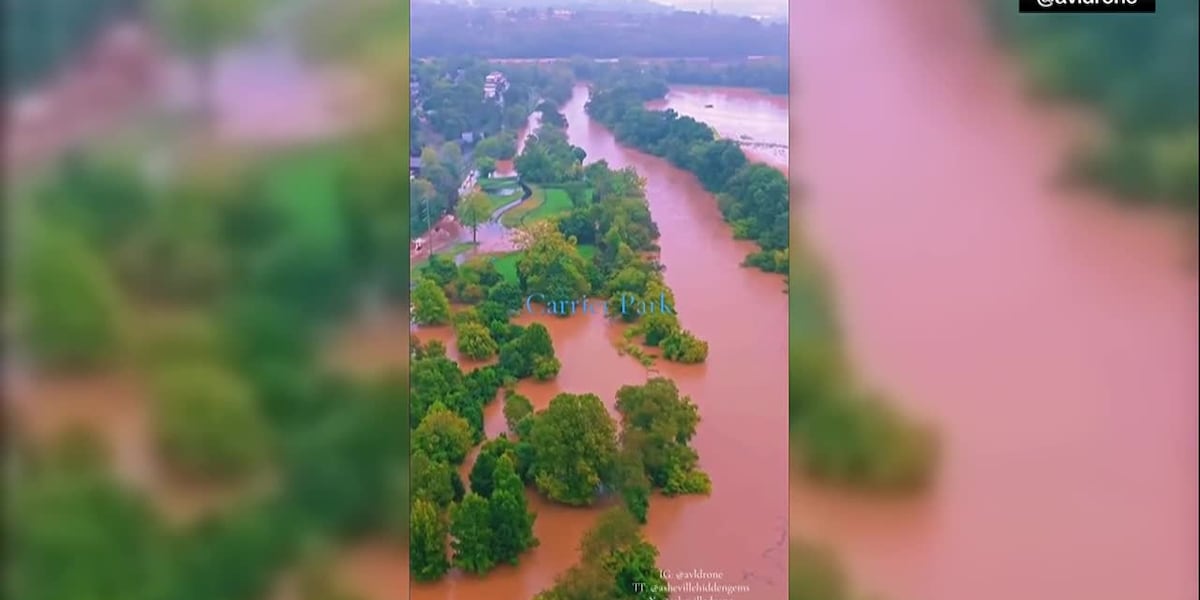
(494, 86)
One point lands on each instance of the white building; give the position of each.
(494, 85)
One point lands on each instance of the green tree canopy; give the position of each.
(443, 436)
(575, 447)
(470, 525)
(474, 210)
(511, 519)
(430, 305)
(427, 542)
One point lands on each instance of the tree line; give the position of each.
(752, 197)
(767, 73)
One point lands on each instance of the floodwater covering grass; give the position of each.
(452, 251)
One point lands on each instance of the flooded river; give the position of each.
(740, 530)
(1051, 338)
(756, 120)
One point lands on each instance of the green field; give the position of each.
(506, 264)
(545, 203)
(492, 184)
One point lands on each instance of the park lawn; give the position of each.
(543, 204)
(497, 200)
(556, 201)
(492, 184)
(516, 216)
(506, 264)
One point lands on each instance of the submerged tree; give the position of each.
(443, 435)
(616, 563)
(427, 542)
(430, 305)
(511, 519)
(470, 524)
(575, 446)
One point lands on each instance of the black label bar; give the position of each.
(1087, 6)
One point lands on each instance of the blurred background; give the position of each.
(993, 293)
(999, 366)
(206, 203)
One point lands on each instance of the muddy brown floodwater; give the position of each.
(1050, 337)
(756, 120)
(740, 530)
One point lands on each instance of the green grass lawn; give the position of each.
(492, 184)
(498, 200)
(543, 204)
(506, 264)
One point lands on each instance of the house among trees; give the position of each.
(414, 166)
(494, 85)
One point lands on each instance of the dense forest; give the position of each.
(770, 74)
(754, 198)
(447, 99)
(1140, 72)
(451, 30)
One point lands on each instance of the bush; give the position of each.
(516, 408)
(474, 341)
(684, 347)
(681, 482)
(546, 368)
